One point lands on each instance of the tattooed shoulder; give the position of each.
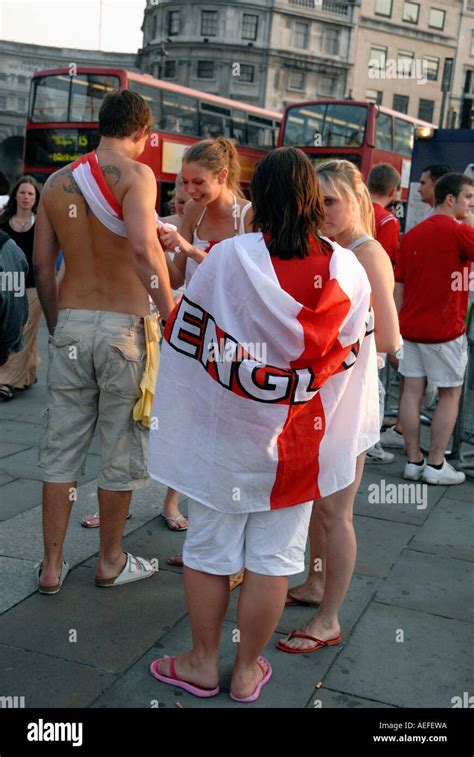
(114, 171)
(71, 185)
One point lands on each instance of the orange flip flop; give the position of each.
(318, 644)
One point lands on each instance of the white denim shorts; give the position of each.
(271, 542)
(443, 364)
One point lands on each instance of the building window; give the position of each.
(205, 69)
(247, 73)
(249, 26)
(432, 68)
(208, 23)
(472, 44)
(21, 104)
(411, 12)
(426, 110)
(332, 40)
(374, 96)
(437, 18)
(400, 103)
(326, 85)
(301, 35)
(297, 80)
(173, 23)
(170, 69)
(3, 102)
(383, 7)
(405, 63)
(378, 58)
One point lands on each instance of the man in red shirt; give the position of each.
(432, 295)
(383, 183)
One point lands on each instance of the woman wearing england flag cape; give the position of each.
(268, 318)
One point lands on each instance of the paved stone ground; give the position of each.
(412, 581)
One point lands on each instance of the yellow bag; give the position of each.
(144, 404)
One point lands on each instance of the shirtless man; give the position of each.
(96, 343)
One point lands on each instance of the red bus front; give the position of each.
(364, 133)
(63, 122)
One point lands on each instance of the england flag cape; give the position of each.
(262, 403)
(91, 181)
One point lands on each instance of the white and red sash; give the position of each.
(98, 195)
(262, 403)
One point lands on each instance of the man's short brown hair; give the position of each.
(382, 179)
(122, 113)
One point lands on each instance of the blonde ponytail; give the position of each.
(215, 155)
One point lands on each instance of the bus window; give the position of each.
(152, 95)
(403, 136)
(87, 94)
(239, 127)
(383, 132)
(180, 114)
(326, 125)
(50, 98)
(260, 132)
(214, 121)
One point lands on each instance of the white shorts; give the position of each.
(271, 542)
(443, 364)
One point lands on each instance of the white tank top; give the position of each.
(203, 244)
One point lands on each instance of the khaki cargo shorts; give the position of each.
(96, 361)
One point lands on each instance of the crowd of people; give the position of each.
(267, 451)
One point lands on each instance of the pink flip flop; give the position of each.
(266, 677)
(175, 680)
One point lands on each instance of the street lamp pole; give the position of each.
(100, 24)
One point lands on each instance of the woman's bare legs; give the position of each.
(207, 597)
(261, 603)
(335, 519)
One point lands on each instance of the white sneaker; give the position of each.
(414, 472)
(377, 455)
(391, 438)
(447, 475)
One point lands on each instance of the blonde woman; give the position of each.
(211, 173)
(349, 220)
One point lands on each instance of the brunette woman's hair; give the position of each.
(215, 155)
(11, 207)
(287, 203)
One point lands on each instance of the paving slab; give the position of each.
(125, 620)
(5, 478)
(361, 591)
(415, 500)
(326, 698)
(54, 682)
(379, 544)
(22, 536)
(427, 669)
(290, 687)
(18, 581)
(13, 431)
(27, 462)
(10, 448)
(19, 495)
(438, 585)
(449, 531)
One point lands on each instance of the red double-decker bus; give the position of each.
(63, 116)
(361, 132)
